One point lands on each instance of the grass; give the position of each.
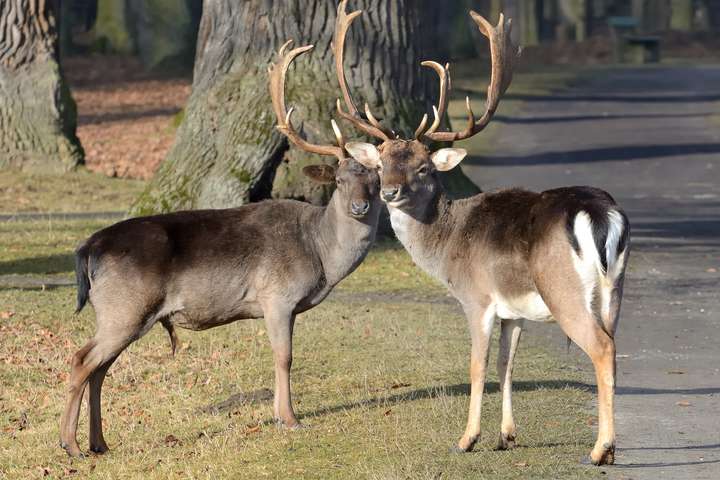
(380, 372)
(383, 387)
(79, 191)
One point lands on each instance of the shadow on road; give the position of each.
(605, 154)
(586, 118)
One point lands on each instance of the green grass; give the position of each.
(383, 387)
(79, 191)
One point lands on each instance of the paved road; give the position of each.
(648, 136)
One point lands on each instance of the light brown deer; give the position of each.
(206, 268)
(558, 255)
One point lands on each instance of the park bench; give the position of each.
(628, 46)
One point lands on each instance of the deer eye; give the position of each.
(339, 181)
(423, 170)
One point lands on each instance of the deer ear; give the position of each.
(365, 153)
(320, 173)
(447, 158)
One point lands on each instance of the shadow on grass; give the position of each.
(44, 264)
(458, 390)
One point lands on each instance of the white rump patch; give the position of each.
(616, 229)
(588, 264)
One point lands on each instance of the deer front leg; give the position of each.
(480, 319)
(280, 322)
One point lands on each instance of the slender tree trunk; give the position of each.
(37, 113)
(713, 8)
(161, 32)
(227, 150)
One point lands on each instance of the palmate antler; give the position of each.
(373, 128)
(277, 73)
(503, 54)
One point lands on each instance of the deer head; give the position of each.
(408, 168)
(357, 185)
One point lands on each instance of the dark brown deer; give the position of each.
(558, 255)
(202, 269)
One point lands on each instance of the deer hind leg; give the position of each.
(85, 363)
(570, 307)
(480, 320)
(509, 340)
(97, 440)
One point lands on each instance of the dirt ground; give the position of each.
(126, 117)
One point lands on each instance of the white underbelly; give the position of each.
(530, 306)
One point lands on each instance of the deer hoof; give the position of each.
(605, 457)
(99, 449)
(506, 442)
(293, 425)
(464, 445)
(72, 450)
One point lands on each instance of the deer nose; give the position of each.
(359, 207)
(389, 193)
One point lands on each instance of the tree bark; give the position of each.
(227, 151)
(37, 113)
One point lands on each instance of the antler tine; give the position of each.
(444, 76)
(421, 128)
(503, 54)
(342, 25)
(277, 73)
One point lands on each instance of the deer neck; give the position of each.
(424, 231)
(343, 241)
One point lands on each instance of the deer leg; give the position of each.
(78, 379)
(97, 441)
(280, 329)
(509, 339)
(580, 324)
(480, 319)
(84, 364)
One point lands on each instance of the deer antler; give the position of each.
(277, 73)
(503, 54)
(374, 128)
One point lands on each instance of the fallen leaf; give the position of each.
(399, 385)
(254, 429)
(23, 422)
(683, 403)
(711, 270)
(6, 315)
(387, 412)
(171, 440)
(521, 464)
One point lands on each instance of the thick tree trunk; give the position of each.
(227, 151)
(37, 113)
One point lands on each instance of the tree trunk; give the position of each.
(161, 32)
(713, 8)
(37, 113)
(227, 151)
